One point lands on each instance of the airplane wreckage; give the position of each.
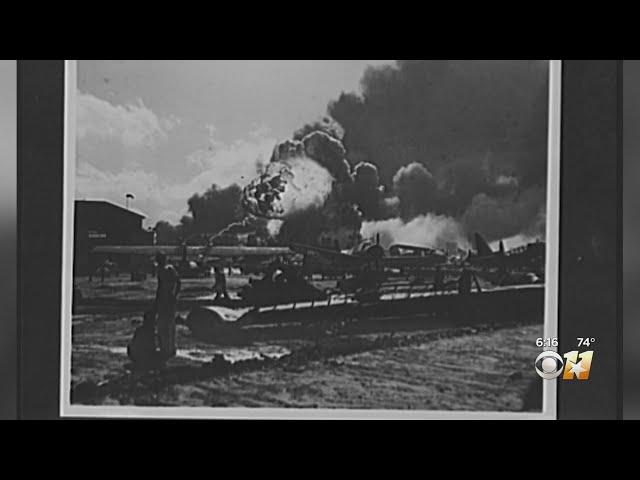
(378, 288)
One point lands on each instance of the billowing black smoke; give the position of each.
(216, 208)
(507, 216)
(367, 193)
(447, 148)
(327, 125)
(464, 139)
(416, 190)
(439, 112)
(209, 212)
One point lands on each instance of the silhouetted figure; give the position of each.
(166, 298)
(438, 280)
(142, 349)
(220, 287)
(464, 282)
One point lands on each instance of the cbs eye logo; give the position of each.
(550, 365)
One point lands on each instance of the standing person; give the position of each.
(464, 282)
(166, 298)
(220, 288)
(438, 280)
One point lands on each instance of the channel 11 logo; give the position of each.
(575, 365)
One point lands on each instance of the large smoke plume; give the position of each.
(428, 153)
(464, 140)
(306, 190)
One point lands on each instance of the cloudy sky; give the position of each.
(164, 130)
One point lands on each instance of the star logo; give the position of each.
(578, 365)
(577, 369)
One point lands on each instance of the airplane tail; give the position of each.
(482, 246)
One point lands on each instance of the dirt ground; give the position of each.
(489, 371)
(468, 370)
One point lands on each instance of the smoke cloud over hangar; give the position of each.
(454, 147)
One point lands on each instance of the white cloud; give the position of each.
(92, 182)
(260, 131)
(152, 197)
(157, 194)
(227, 163)
(434, 231)
(134, 125)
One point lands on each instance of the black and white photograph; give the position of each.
(300, 238)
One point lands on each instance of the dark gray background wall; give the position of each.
(589, 234)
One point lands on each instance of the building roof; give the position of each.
(131, 211)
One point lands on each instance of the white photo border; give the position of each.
(549, 405)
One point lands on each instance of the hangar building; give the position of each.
(99, 222)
